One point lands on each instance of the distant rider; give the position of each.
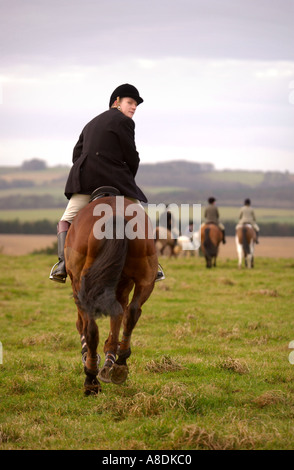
(211, 215)
(247, 216)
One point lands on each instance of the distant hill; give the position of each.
(189, 182)
(175, 181)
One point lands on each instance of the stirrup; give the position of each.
(160, 275)
(61, 278)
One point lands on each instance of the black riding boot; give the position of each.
(58, 272)
(256, 240)
(224, 237)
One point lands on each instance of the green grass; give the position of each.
(39, 177)
(32, 215)
(249, 178)
(209, 367)
(54, 191)
(163, 189)
(263, 215)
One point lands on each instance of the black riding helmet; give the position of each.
(124, 91)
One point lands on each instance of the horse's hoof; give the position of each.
(104, 374)
(91, 387)
(92, 390)
(118, 374)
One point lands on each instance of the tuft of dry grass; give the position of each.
(227, 282)
(268, 292)
(197, 438)
(271, 397)
(164, 364)
(229, 333)
(258, 341)
(8, 435)
(183, 330)
(45, 338)
(234, 365)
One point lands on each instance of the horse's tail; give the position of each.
(210, 248)
(245, 243)
(97, 294)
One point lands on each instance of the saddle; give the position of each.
(104, 191)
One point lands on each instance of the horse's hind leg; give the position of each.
(239, 253)
(89, 339)
(249, 261)
(111, 345)
(119, 370)
(110, 348)
(252, 253)
(91, 385)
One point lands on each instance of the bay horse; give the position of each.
(103, 272)
(211, 236)
(163, 239)
(245, 239)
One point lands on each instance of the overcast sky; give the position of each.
(217, 78)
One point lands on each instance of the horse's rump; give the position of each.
(98, 249)
(211, 237)
(245, 243)
(209, 246)
(245, 234)
(97, 293)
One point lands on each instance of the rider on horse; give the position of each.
(211, 215)
(247, 216)
(105, 155)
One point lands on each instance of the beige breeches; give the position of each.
(76, 203)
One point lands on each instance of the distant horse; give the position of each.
(103, 272)
(211, 236)
(188, 246)
(245, 239)
(164, 239)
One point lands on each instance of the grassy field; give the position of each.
(249, 178)
(209, 366)
(32, 215)
(263, 215)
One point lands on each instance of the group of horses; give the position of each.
(114, 277)
(209, 239)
